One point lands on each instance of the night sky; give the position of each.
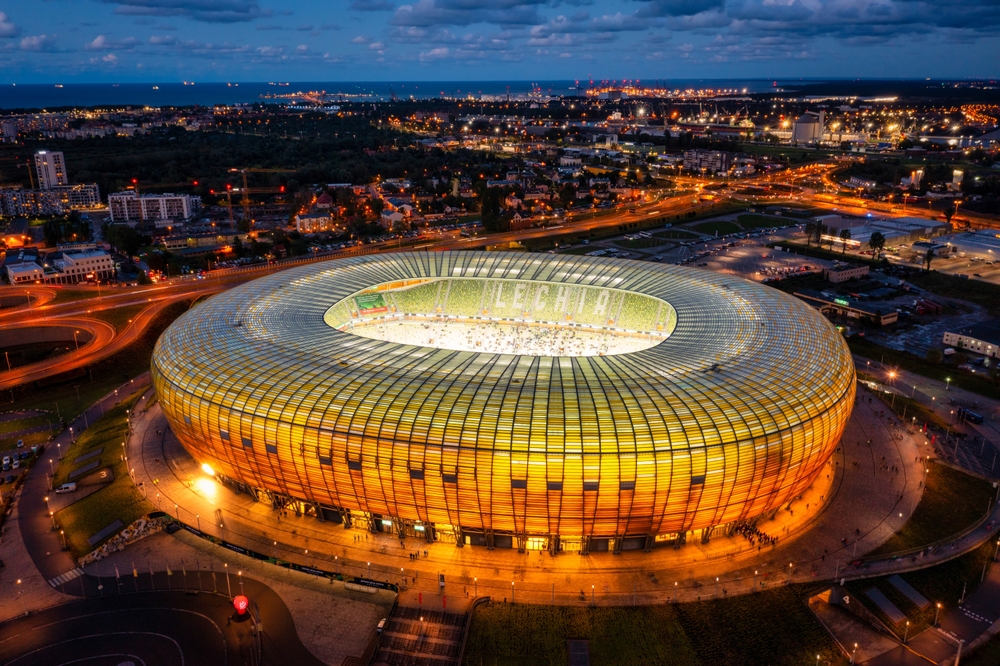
(437, 40)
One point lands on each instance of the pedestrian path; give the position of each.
(59, 581)
(875, 479)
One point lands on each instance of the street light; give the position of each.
(21, 596)
(229, 585)
(240, 574)
(906, 631)
(947, 384)
(853, 652)
(936, 612)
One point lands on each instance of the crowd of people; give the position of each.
(755, 536)
(504, 337)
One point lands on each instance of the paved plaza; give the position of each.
(869, 489)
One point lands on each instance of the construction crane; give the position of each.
(247, 191)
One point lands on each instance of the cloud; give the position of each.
(163, 40)
(208, 11)
(372, 6)
(102, 43)
(426, 13)
(434, 54)
(38, 43)
(111, 59)
(376, 46)
(302, 48)
(7, 27)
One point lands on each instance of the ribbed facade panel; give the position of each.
(734, 413)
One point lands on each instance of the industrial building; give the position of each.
(842, 307)
(982, 338)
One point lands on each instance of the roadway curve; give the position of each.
(105, 342)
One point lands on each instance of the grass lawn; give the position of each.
(738, 630)
(721, 226)
(978, 383)
(641, 243)
(950, 286)
(986, 655)
(69, 295)
(118, 500)
(750, 221)
(942, 584)
(676, 234)
(29, 440)
(120, 317)
(952, 501)
(23, 424)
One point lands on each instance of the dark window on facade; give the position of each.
(627, 485)
(187, 420)
(247, 443)
(224, 434)
(591, 485)
(449, 478)
(554, 485)
(271, 448)
(519, 483)
(354, 464)
(324, 460)
(417, 474)
(697, 480)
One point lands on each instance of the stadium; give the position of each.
(510, 399)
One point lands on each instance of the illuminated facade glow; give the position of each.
(733, 407)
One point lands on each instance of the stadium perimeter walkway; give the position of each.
(867, 501)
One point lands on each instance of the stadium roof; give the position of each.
(743, 361)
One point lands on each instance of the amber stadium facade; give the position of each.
(733, 405)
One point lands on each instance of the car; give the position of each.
(66, 488)
(977, 275)
(24, 455)
(10, 478)
(6, 460)
(6, 467)
(16, 464)
(20, 443)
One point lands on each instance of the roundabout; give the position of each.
(615, 405)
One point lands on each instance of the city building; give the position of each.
(72, 266)
(708, 161)
(157, 209)
(292, 387)
(309, 223)
(842, 272)
(21, 266)
(982, 338)
(50, 166)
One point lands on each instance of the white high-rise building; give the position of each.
(51, 169)
(160, 209)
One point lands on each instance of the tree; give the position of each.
(877, 244)
(567, 194)
(949, 213)
(810, 231)
(928, 258)
(845, 235)
(492, 197)
(934, 355)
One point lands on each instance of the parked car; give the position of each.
(66, 488)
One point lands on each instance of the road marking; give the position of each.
(66, 577)
(116, 633)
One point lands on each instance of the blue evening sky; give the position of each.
(385, 40)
